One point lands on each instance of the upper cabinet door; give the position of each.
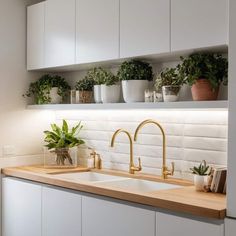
(197, 24)
(144, 27)
(35, 36)
(97, 30)
(59, 33)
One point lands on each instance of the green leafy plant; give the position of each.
(210, 66)
(135, 70)
(97, 74)
(167, 77)
(202, 169)
(110, 79)
(86, 84)
(61, 139)
(41, 88)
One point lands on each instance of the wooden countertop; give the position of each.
(184, 199)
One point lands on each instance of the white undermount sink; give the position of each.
(89, 177)
(117, 182)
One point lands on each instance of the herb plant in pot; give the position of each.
(135, 76)
(201, 173)
(62, 144)
(49, 89)
(84, 87)
(110, 90)
(204, 72)
(169, 82)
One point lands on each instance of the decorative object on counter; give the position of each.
(218, 183)
(201, 174)
(169, 82)
(94, 160)
(62, 144)
(149, 95)
(110, 90)
(49, 89)
(204, 72)
(157, 96)
(84, 90)
(135, 76)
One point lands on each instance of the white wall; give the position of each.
(19, 128)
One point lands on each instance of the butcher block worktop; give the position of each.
(184, 199)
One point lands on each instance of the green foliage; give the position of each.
(169, 76)
(97, 74)
(63, 137)
(86, 84)
(110, 79)
(202, 169)
(210, 66)
(135, 70)
(41, 88)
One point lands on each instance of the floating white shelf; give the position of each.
(116, 106)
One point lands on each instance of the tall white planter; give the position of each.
(200, 181)
(55, 98)
(110, 94)
(133, 90)
(97, 93)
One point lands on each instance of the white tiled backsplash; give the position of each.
(191, 137)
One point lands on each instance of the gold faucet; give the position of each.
(165, 171)
(132, 167)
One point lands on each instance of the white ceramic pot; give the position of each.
(200, 181)
(110, 94)
(55, 98)
(97, 93)
(185, 93)
(133, 90)
(170, 93)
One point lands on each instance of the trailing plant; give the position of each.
(41, 88)
(202, 169)
(135, 70)
(167, 77)
(210, 66)
(60, 139)
(86, 84)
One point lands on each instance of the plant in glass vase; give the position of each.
(61, 139)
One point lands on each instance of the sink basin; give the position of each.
(89, 176)
(139, 185)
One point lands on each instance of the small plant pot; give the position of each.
(134, 90)
(84, 96)
(55, 97)
(202, 91)
(97, 93)
(170, 93)
(200, 181)
(60, 158)
(110, 94)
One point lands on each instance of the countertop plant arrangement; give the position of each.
(41, 89)
(60, 139)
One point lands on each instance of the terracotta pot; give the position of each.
(202, 91)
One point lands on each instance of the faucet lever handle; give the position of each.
(139, 163)
(172, 170)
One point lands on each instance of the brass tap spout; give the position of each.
(165, 171)
(132, 167)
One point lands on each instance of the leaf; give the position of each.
(65, 127)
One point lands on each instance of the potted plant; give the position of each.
(97, 74)
(169, 83)
(49, 89)
(135, 76)
(84, 87)
(63, 143)
(110, 90)
(201, 173)
(204, 72)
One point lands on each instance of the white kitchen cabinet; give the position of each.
(198, 23)
(97, 24)
(167, 224)
(106, 218)
(21, 208)
(35, 36)
(61, 212)
(60, 32)
(144, 27)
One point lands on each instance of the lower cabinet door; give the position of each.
(168, 224)
(21, 208)
(61, 212)
(106, 218)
